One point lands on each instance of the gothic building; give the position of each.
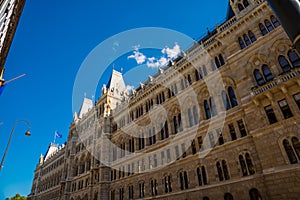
(219, 122)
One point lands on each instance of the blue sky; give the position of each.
(52, 40)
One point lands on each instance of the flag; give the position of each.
(2, 88)
(57, 134)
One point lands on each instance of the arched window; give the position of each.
(190, 117)
(232, 97)
(189, 80)
(195, 113)
(197, 77)
(204, 71)
(267, 73)
(263, 29)
(243, 165)
(167, 183)
(228, 196)
(217, 62)
(179, 122)
(254, 194)
(246, 3)
(296, 146)
(249, 164)
(294, 58)
(225, 170)
(176, 130)
(225, 100)
(246, 39)
(269, 25)
(207, 110)
(166, 129)
(285, 65)
(252, 36)
(220, 172)
(205, 198)
(258, 77)
(242, 43)
(183, 179)
(289, 151)
(213, 106)
(240, 7)
(221, 59)
(201, 175)
(275, 22)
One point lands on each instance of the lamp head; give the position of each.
(28, 133)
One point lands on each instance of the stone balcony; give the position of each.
(276, 81)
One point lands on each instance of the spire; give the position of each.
(41, 159)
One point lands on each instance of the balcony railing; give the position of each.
(277, 81)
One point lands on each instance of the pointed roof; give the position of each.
(116, 84)
(87, 104)
(51, 150)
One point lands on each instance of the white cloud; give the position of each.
(172, 53)
(154, 63)
(139, 57)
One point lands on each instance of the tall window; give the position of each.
(195, 113)
(263, 29)
(246, 3)
(207, 110)
(267, 73)
(154, 185)
(252, 36)
(254, 194)
(258, 77)
(130, 192)
(232, 97)
(201, 176)
(297, 99)
(225, 100)
(246, 39)
(204, 71)
(190, 117)
(246, 164)
(176, 130)
(112, 195)
(141, 189)
(270, 114)
(285, 109)
(242, 128)
(213, 106)
(242, 43)
(294, 58)
(285, 65)
(222, 170)
(183, 180)
(121, 193)
(269, 25)
(232, 132)
(292, 149)
(167, 184)
(275, 22)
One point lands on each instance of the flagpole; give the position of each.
(54, 137)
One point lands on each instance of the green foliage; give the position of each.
(17, 197)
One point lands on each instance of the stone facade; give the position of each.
(10, 12)
(220, 122)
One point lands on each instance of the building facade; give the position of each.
(219, 122)
(10, 12)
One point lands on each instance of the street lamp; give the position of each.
(288, 13)
(27, 133)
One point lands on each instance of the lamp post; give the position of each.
(288, 13)
(27, 133)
